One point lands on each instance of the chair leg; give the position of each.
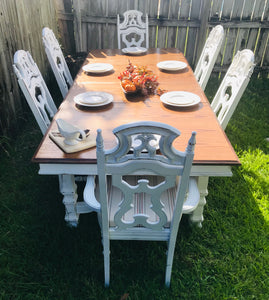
(169, 261)
(106, 260)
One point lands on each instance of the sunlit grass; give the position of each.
(255, 170)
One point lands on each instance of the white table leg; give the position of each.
(196, 216)
(68, 189)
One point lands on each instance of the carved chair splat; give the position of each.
(142, 190)
(34, 89)
(132, 32)
(209, 55)
(233, 86)
(57, 60)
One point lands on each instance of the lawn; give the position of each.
(228, 258)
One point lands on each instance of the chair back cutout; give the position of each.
(209, 55)
(132, 32)
(57, 60)
(34, 89)
(233, 85)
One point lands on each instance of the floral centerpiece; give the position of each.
(138, 79)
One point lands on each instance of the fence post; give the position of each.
(77, 25)
(65, 19)
(204, 16)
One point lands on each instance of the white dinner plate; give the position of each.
(93, 99)
(134, 50)
(172, 65)
(97, 68)
(180, 99)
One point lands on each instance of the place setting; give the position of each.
(180, 99)
(172, 66)
(93, 99)
(98, 69)
(134, 50)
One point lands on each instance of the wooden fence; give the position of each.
(21, 23)
(83, 25)
(183, 24)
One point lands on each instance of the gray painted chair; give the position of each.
(57, 60)
(132, 32)
(233, 86)
(141, 190)
(209, 55)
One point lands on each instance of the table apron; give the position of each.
(91, 169)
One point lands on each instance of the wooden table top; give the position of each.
(213, 146)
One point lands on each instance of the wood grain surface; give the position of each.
(213, 146)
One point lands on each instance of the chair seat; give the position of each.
(142, 203)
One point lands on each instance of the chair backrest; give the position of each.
(57, 60)
(132, 32)
(209, 55)
(124, 160)
(233, 85)
(34, 89)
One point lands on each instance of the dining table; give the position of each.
(214, 155)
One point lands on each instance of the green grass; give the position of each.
(42, 258)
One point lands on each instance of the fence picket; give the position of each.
(162, 30)
(193, 32)
(152, 14)
(182, 31)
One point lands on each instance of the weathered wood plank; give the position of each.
(261, 48)
(162, 30)
(172, 31)
(152, 14)
(216, 10)
(21, 25)
(227, 10)
(66, 27)
(184, 13)
(254, 41)
(143, 6)
(196, 14)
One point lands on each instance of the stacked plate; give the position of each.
(93, 99)
(180, 99)
(97, 68)
(134, 50)
(172, 65)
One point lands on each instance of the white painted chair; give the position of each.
(57, 60)
(41, 103)
(132, 32)
(139, 191)
(34, 89)
(209, 55)
(233, 86)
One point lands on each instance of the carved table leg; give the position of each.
(196, 216)
(68, 189)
